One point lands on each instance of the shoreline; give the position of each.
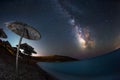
(47, 76)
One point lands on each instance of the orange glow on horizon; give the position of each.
(38, 54)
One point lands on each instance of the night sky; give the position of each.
(77, 28)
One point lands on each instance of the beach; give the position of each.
(26, 71)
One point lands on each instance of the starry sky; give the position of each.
(77, 28)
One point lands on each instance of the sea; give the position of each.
(105, 67)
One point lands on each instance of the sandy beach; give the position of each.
(27, 71)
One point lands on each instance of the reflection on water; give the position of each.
(106, 67)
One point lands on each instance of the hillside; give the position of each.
(54, 58)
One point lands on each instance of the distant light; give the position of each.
(22, 50)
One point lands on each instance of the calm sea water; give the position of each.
(105, 67)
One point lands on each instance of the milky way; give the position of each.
(82, 34)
